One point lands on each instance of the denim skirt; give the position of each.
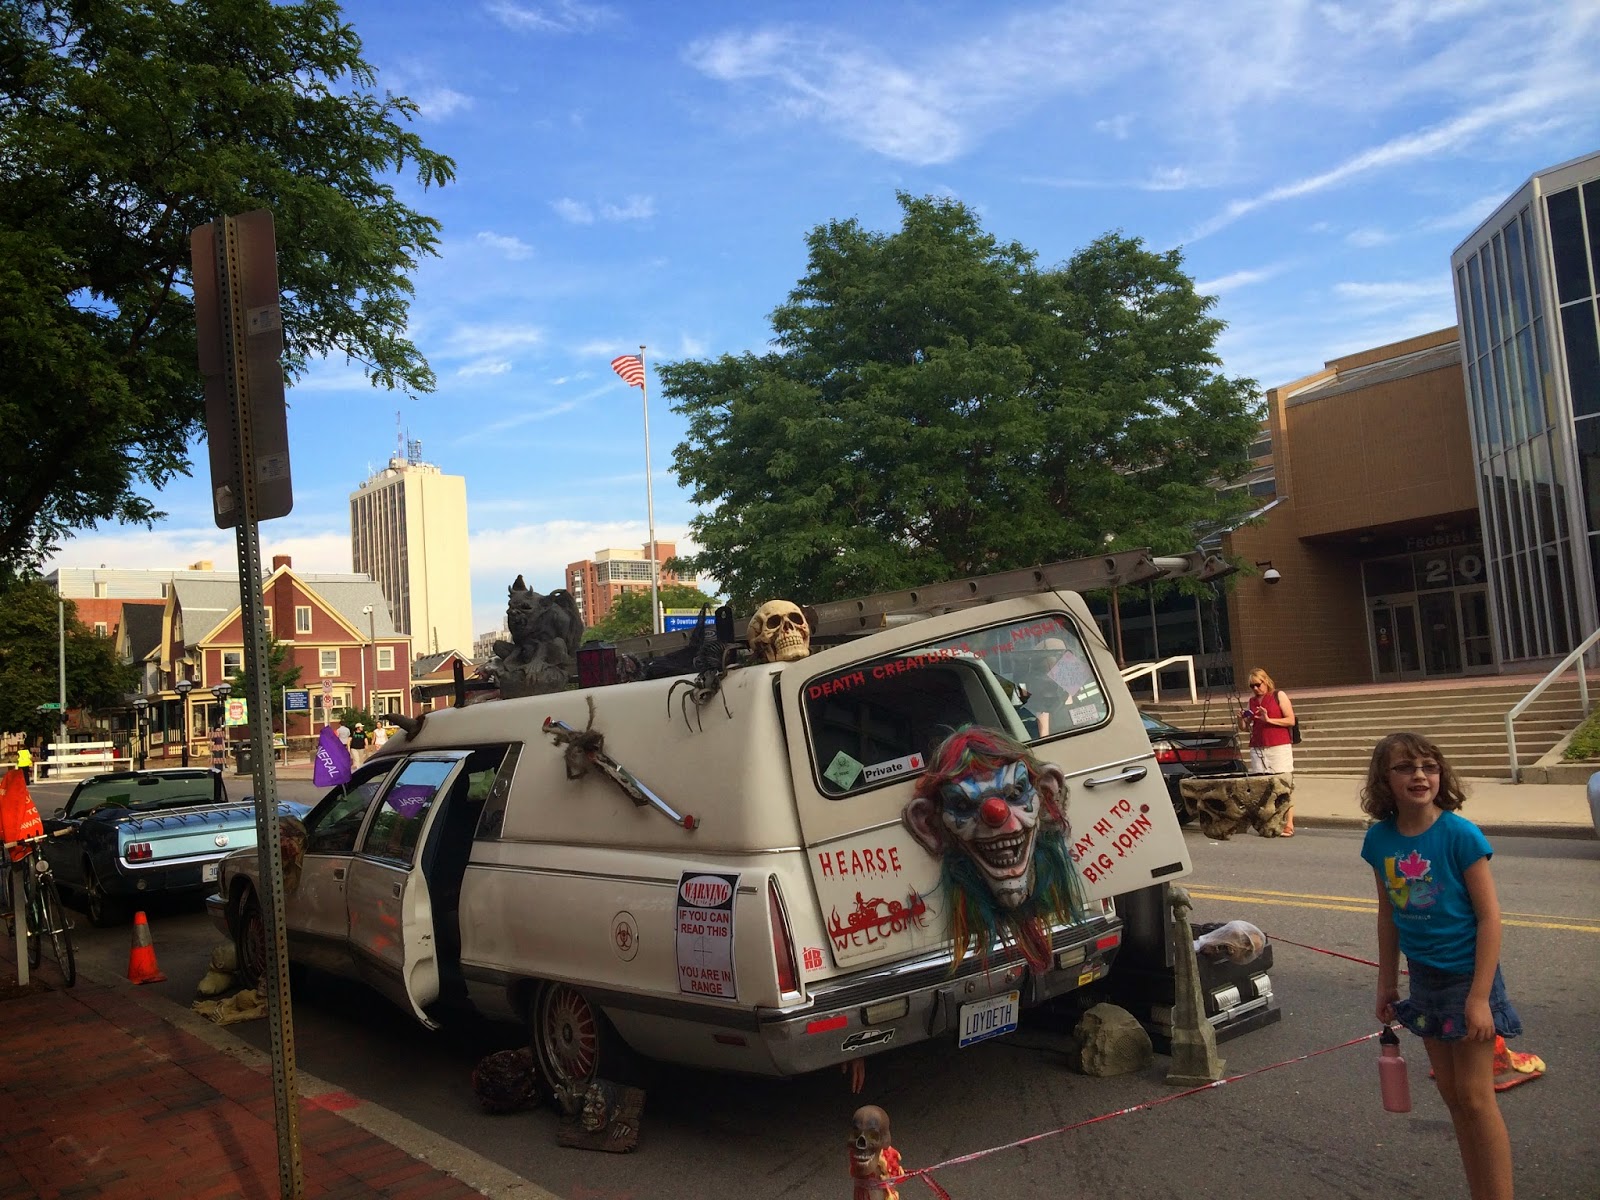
(1437, 1006)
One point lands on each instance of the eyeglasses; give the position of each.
(1427, 768)
(1254, 686)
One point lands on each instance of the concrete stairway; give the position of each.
(1468, 723)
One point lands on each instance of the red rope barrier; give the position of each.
(1366, 962)
(925, 1173)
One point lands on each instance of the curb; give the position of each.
(421, 1143)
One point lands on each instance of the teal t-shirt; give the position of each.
(1426, 880)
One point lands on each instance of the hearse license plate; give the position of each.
(208, 873)
(985, 1019)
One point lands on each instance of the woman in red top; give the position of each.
(1269, 717)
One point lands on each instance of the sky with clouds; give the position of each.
(646, 173)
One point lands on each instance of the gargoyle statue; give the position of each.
(545, 633)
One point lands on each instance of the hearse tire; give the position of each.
(249, 941)
(572, 1041)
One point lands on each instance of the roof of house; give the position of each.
(207, 603)
(430, 664)
(143, 626)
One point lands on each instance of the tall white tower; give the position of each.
(408, 530)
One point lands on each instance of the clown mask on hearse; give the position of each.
(994, 814)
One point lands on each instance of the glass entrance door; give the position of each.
(1476, 644)
(1441, 633)
(1394, 638)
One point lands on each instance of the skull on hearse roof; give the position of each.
(779, 632)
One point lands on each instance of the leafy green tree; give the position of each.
(280, 675)
(124, 124)
(30, 661)
(936, 405)
(630, 615)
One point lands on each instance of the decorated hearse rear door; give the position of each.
(861, 731)
(391, 914)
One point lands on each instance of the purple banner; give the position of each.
(332, 763)
(408, 799)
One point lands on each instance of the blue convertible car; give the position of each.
(142, 833)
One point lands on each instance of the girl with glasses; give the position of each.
(1269, 716)
(1437, 903)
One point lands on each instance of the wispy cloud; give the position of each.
(580, 212)
(1119, 126)
(564, 16)
(1396, 293)
(437, 103)
(506, 245)
(484, 367)
(1237, 279)
(479, 341)
(494, 429)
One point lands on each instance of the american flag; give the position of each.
(631, 368)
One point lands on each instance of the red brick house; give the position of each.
(338, 631)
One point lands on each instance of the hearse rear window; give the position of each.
(879, 720)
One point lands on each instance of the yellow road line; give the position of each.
(1368, 907)
(1369, 902)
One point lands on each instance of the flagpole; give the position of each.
(650, 504)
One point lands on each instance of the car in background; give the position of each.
(1185, 754)
(134, 834)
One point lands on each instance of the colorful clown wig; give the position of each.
(977, 919)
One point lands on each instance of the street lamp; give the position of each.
(183, 687)
(140, 705)
(372, 640)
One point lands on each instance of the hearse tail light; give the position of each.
(782, 944)
(1164, 751)
(139, 852)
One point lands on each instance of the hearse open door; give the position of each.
(391, 910)
(860, 730)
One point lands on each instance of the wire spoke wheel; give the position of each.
(60, 933)
(250, 941)
(569, 1036)
(102, 910)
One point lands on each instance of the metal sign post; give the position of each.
(239, 329)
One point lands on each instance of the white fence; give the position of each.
(67, 760)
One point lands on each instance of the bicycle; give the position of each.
(46, 915)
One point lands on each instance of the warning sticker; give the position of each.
(843, 770)
(705, 934)
(1083, 714)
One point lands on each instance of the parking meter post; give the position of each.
(19, 917)
(240, 335)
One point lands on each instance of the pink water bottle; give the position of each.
(1392, 1077)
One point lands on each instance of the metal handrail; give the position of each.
(1521, 706)
(1129, 674)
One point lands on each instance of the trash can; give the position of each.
(242, 760)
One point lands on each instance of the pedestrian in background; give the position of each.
(25, 762)
(358, 745)
(1437, 903)
(1269, 716)
(380, 734)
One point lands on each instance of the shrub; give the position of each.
(1585, 742)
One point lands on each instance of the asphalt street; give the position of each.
(1314, 1130)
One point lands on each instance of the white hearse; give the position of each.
(756, 904)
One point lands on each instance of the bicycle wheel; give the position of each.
(60, 933)
(35, 911)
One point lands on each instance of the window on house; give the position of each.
(302, 618)
(385, 658)
(328, 663)
(232, 663)
(266, 613)
(100, 629)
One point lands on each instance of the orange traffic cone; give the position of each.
(142, 958)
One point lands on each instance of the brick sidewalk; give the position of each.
(101, 1098)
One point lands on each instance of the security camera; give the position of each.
(1271, 575)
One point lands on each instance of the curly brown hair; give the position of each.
(1378, 801)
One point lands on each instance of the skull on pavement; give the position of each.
(779, 632)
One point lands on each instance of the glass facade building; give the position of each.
(1526, 282)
